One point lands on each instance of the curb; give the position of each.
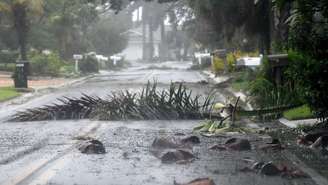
(216, 80)
(64, 84)
(37, 92)
(294, 124)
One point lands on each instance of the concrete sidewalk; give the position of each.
(39, 83)
(42, 82)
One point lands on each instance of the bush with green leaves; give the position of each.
(45, 65)
(310, 78)
(308, 35)
(242, 79)
(264, 93)
(217, 65)
(231, 61)
(8, 57)
(8, 60)
(89, 64)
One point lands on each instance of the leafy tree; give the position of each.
(308, 37)
(71, 21)
(106, 36)
(19, 11)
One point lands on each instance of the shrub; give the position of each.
(265, 94)
(89, 64)
(217, 65)
(231, 61)
(68, 70)
(310, 77)
(7, 67)
(8, 60)
(243, 79)
(45, 65)
(8, 57)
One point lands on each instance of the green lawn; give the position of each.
(302, 112)
(7, 93)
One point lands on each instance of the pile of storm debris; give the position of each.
(170, 150)
(180, 151)
(150, 104)
(314, 138)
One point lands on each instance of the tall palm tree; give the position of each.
(19, 11)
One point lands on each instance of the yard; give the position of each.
(7, 93)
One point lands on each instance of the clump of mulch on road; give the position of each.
(271, 169)
(170, 150)
(174, 103)
(92, 147)
(237, 144)
(179, 156)
(275, 145)
(190, 140)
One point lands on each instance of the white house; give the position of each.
(134, 49)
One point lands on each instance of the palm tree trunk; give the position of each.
(21, 27)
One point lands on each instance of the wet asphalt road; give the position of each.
(46, 152)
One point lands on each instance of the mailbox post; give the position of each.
(77, 58)
(115, 59)
(277, 63)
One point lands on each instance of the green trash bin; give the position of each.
(20, 76)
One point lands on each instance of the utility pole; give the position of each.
(144, 10)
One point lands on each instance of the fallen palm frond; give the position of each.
(221, 126)
(212, 128)
(150, 104)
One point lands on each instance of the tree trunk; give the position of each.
(21, 27)
(144, 32)
(151, 39)
(163, 50)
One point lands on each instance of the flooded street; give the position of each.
(46, 152)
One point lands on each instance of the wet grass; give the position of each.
(175, 103)
(7, 93)
(302, 112)
(240, 85)
(241, 80)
